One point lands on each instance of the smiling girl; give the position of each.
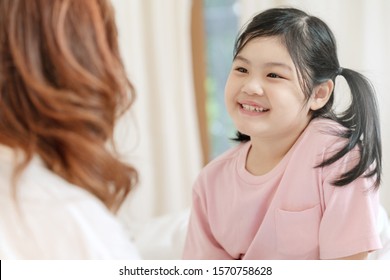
(303, 182)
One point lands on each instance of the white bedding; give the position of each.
(384, 229)
(162, 238)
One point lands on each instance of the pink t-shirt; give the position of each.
(292, 212)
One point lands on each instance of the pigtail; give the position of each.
(361, 119)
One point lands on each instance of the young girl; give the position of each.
(62, 87)
(302, 183)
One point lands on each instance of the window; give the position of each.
(221, 27)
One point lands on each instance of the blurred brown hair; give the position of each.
(62, 88)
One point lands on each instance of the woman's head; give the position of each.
(308, 40)
(62, 87)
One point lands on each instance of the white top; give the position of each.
(53, 219)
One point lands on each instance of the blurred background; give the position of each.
(178, 55)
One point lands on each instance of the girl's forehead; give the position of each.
(266, 40)
(266, 48)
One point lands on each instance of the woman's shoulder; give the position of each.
(60, 220)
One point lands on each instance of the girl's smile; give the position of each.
(252, 108)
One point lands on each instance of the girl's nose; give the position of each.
(253, 86)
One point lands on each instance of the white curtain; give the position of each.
(160, 135)
(362, 30)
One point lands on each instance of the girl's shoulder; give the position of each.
(231, 154)
(324, 138)
(325, 125)
(324, 132)
(226, 160)
(321, 139)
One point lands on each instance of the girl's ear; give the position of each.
(321, 95)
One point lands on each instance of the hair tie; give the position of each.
(339, 71)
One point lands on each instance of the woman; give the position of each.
(63, 86)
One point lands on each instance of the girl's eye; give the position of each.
(241, 70)
(273, 75)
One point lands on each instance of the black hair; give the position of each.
(312, 47)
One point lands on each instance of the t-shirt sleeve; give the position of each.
(200, 242)
(349, 219)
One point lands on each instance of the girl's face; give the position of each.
(262, 94)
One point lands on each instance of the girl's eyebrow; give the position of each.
(279, 64)
(268, 64)
(243, 59)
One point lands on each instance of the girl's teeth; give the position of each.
(253, 108)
